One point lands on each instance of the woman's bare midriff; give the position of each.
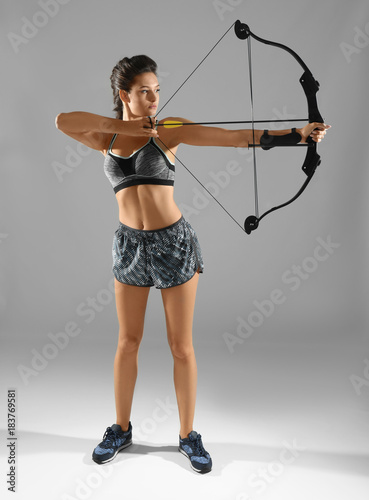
(147, 206)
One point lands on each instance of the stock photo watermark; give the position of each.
(359, 42)
(87, 309)
(265, 475)
(360, 381)
(12, 440)
(224, 7)
(3, 236)
(201, 198)
(73, 159)
(221, 179)
(293, 278)
(31, 27)
(85, 487)
(162, 411)
(162, 75)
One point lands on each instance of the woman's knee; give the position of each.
(128, 343)
(181, 350)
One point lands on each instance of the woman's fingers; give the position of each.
(148, 125)
(319, 130)
(317, 135)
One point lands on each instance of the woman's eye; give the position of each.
(146, 91)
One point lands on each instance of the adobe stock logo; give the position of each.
(88, 310)
(201, 198)
(360, 42)
(85, 487)
(292, 279)
(266, 475)
(358, 381)
(73, 159)
(223, 7)
(40, 19)
(3, 236)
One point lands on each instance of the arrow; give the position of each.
(174, 124)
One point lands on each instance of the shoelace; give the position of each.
(109, 437)
(199, 448)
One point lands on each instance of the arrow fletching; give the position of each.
(172, 124)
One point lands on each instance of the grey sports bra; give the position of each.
(147, 165)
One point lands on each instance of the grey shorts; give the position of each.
(165, 257)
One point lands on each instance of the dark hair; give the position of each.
(124, 73)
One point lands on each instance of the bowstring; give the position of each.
(210, 51)
(253, 129)
(175, 156)
(201, 184)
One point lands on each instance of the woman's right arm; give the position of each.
(95, 131)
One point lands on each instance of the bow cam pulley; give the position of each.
(242, 30)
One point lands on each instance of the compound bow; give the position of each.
(310, 87)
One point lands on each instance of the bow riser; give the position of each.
(311, 87)
(311, 162)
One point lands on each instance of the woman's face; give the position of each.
(143, 98)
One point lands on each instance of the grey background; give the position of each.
(294, 376)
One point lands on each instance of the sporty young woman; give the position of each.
(153, 245)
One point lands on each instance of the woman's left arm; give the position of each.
(198, 135)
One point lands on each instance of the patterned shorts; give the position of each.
(164, 257)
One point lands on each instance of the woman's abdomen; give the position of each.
(147, 206)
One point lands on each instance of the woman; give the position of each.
(154, 244)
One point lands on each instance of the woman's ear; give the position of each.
(124, 96)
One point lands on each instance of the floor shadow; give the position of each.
(166, 452)
(223, 454)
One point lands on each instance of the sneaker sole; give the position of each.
(201, 471)
(125, 445)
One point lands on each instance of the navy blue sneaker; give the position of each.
(193, 449)
(114, 440)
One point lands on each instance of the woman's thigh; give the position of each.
(179, 305)
(131, 304)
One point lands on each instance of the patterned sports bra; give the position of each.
(147, 165)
